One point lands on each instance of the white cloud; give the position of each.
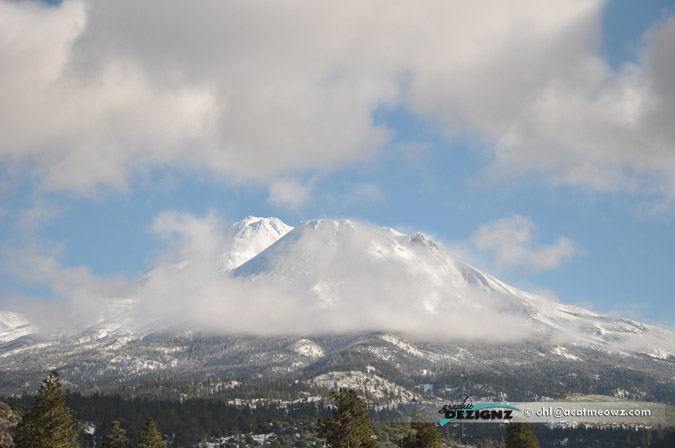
(192, 237)
(511, 240)
(241, 90)
(289, 192)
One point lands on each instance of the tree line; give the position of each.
(345, 422)
(48, 423)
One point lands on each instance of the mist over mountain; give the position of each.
(324, 304)
(261, 276)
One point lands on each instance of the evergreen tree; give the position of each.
(48, 422)
(423, 434)
(151, 438)
(349, 427)
(520, 435)
(8, 422)
(116, 437)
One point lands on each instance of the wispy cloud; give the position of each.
(366, 193)
(191, 237)
(512, 242)
(290, 192)
(79, 297)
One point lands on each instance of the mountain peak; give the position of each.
(420, 239)
(343, 275)
(345, 265)
(255, 221)
(250, 236)
(332, 224)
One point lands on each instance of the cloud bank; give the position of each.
(107, 91)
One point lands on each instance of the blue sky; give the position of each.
(535, 144)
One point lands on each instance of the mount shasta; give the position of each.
(337, 303)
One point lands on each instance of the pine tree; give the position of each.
(520, 435)
(349, 427)
(151, 438)
(8, 421)
(48, 422)
(116, 437)
(423, 434)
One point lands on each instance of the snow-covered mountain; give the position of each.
(246, 238)
(346, 277)
(342, 266)
(250, 236)
(13, 326)
(349, 264)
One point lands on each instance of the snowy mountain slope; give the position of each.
(344, 263)
(365, 382)
(250, 236)
(13, 326)
(384, 365)
(340, 271)
(334, 259)
(246, 238)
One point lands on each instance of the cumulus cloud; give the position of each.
(231, 89)
(242, 90)
(512, 241)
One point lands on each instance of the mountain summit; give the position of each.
(337, 304)
(379, 276)
(349, 276)
(250, 236)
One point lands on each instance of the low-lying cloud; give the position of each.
(79, 298)
(337, 277)
(322, 277)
